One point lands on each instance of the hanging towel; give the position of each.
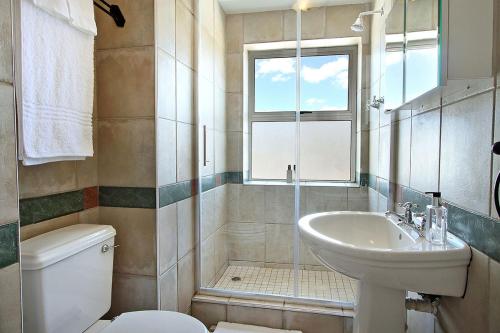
(55, 104)
(57, 8)
(81, 13)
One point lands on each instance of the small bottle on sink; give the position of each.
(437, 218)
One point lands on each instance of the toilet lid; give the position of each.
(155, 322)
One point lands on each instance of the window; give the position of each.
(328, 122)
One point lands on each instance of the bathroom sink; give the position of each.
(388, 260)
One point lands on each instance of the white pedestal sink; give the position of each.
(388, 260)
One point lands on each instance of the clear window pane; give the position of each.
(325, 83)
(325, 150)
(275, 84)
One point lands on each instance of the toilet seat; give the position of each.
(155, 322)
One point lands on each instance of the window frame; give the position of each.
(350, 114)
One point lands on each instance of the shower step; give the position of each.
(280, 313)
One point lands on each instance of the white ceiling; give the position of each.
(249, 6)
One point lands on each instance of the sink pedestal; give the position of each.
(379, 309)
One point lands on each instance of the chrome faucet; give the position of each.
(408, 218)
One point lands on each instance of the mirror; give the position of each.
(412, 54)
(422, 51)
(394, 56)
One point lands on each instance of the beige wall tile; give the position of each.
(403, 143)
(384, 151)
(5, 42)
(469, 314)
(246, 241)
(206, 102)
(185, 94)
(340, 18)
(220, 152)
(494, 293)
(136, 235)
(44, 179)
(220, 109)
(220, 249)
(165, 25)
(357, 199)
(167, 235)
(321, 199)
(234, 111)
(254, 316)
(167, 146)
(8, 175)
(126, 82)
(127, 153)
(32, 230)
(206, 14)
(132, 293)
(279, 204)
(166, 85)
(263, 27)
(465, 142)
(220, 65)
(313, 24)
(184, 34)
(234, 33)
(138, 30)
(219, 24)
(10, 306)
(186, 282)
(234, 146)
(373, 152)
(168, 290)
(89, 216)
(186, 224)
(209, 313)
(425, 151)
(207, 261)
(185, 151)
(312, 322)
(208, 225)
(279, 240)
(234, 72)
(221, 205)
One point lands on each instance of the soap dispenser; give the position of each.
(437, 217)
(289, 175)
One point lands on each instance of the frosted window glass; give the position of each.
(325, 150)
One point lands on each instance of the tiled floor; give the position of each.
(325, 285)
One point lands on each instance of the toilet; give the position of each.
(67, 280)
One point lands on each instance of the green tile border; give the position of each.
(33, 210)
(127, 197)
(9, 246)
(175, 192)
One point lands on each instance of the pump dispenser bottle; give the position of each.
(289, 175)
(437, 217)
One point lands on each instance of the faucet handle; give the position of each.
(407, 205)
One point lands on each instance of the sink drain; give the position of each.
(235, 278)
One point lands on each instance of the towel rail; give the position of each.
(112, 10)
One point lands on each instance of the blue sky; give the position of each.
(324, 83)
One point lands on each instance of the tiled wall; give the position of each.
(190, 94)
(443, 144)
(10, 285)
(260, 229)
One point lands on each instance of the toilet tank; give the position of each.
(67, 275)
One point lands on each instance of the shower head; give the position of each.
(358, 25)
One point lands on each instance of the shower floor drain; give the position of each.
(235, 278)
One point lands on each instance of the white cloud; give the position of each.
(336, 70)
(283, 66)
(331, 108)
(314, 101)
(280, 78)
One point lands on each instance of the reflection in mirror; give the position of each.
(422, 52)
(394, 55)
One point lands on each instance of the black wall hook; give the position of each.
(113, 11)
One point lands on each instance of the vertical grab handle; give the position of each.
(496, 150)
(205, 161)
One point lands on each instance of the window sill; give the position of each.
(302, 184)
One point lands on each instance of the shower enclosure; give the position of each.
(272, 95)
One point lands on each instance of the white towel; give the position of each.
(57, 8)
(223, 327)
(82, 15)
(55, 113)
